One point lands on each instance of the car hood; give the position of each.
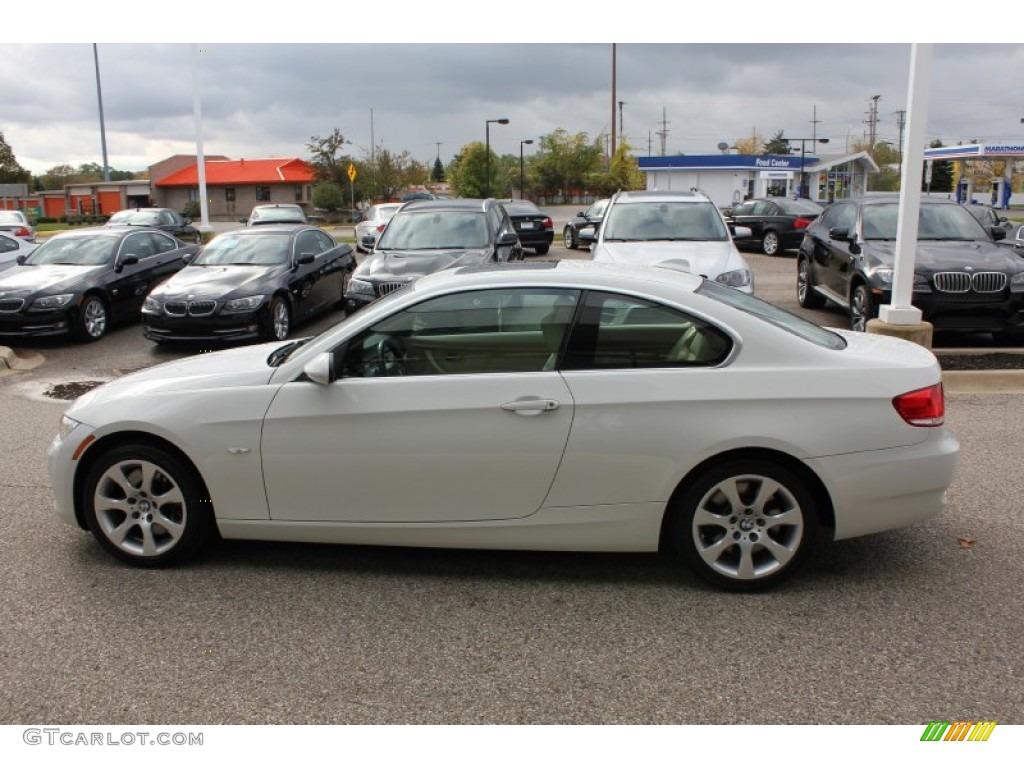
(708, 258)
(244, 366)
(51, 278)
(214, 282)
(407, 265)
(952, 255)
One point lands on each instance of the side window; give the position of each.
(840, 215)
(498, 220)
(761, 208)
(494, 331)
(163, 244)
(743, 209)
(166, 218)
(139, 245)
(308, 242)
(624, 332)
(7, 245)
(324, 242)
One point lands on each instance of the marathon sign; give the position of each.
(1003, 149)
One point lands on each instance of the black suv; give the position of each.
(962, 280)
(426, 236)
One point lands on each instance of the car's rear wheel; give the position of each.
(570, 239)
(745, 524)
(862, 308)
(771, 245)
(806, 296)
(146, 506)
(93, 319)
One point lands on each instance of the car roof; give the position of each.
(283, 226)
(455, 204)
(657, 196)
(526, 206)
(894, 197)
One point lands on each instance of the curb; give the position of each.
(9, 360)
(983, 382)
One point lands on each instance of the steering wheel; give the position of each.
(388, 358)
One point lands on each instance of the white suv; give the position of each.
(684, 228)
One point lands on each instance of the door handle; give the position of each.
(530, 406)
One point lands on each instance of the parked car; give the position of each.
(535, 229)
(648, 227)
(164, 219)
(372, 224)
(278, 213)
(568, 406)
(581, 230)
(81, 281)
(776, 224)
(430, 235)
(410, 196)
(16, 223)
(11, 248)
(988, 216)
(963, 281)
(249, 284)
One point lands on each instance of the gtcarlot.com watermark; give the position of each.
(70, 737)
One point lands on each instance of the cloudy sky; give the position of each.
(439, 83)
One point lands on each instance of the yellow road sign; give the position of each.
(351, 172)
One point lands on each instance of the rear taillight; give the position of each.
(802, 223)
(547, 223)
(922, 407)
(380, 227)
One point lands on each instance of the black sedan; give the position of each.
(776, 224)
(81, 281)
(250, 284)
(164, 219)
(581, 230)
(535, 229)
(963, 281)
(426, 236)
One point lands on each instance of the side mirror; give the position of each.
(508, 238)
(243, 221)
(21, 259)
(127, 261)
(186, 221)
(998, 233)
(320, 369)
(188, 256)
(839, 233)
(305, 258)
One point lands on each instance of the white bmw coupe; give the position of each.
(569, 406)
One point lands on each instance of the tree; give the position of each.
(328, 158)
(564, 162)
(942, 173)
(777, 145)
(437, 174)
(57, 176)
(328, 196)
(468, 170)
(887, 158)
(623, 174)
(750, 145)
(384, 175)
(11, 171)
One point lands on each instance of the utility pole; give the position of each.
(663, 133)
(901, 121)
(439, 143)
(814, 125)
(614, 75)
(622, 133)
(872, 122)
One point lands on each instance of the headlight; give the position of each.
(355, 285)
(66, 426)
(152, 306)
(1017, 279)
(885, 275)
(247, 304)
(738, 278)
(52, 302)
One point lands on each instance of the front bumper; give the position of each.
(39, 324)
(966, 312)
(244, 326)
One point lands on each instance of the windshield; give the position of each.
(266, 249)
(780, 318)
(284, 213)
(935, 222)
(83, 250)
(135, 217)
(430, 230)
(638, 222)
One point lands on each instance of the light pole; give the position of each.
(487, 129)
(521, 175)
(803, 148)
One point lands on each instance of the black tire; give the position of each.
(806, 296)
(862, 307)
(726, 545)
(93, 319)
(146, 506)
(541, 250)
(279, 320)
(771, 245)
(570, 238)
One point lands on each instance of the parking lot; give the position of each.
(903, 627)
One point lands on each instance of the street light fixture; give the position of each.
(487, 129)
(803, 186)
(521, 175)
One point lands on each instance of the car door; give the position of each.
(325, 286)
(130, 283)
(743, 216)
(304, 279)
(447, 410)
(832, 254)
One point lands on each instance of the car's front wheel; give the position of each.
(93, 319)
(862, 308)
(146, 506)
(806, 296)
(569, 238)
(280, 322)
(745, 524)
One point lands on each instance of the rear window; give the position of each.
(780, 318)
